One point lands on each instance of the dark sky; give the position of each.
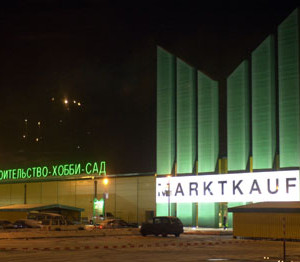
(103, 55)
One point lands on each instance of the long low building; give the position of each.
(276, 220)
(80, 185)
(21, 211)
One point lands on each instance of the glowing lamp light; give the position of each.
(105, 181)
(66, 101)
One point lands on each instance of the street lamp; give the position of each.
(105, 196)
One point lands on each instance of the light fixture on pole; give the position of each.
(105, 196)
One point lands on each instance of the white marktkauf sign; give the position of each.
(242, 187)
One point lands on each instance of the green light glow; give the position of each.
(263, 105)
(238, 118)
(40, 172)
(165, 111)
(208, 124)
(208, 214)
(186, 117)
(98, 207)
(288, 85)
(187, 213)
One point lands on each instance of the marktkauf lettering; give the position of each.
(236, 187)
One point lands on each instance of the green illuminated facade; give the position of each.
(262, 125)
(264, 105)
(195, 135)
(262, 120)
(238, 118)
(288, 85)
(186, 118)
(208, 124)
(166, 82)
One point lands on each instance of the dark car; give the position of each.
(163, 225)
(5, 224)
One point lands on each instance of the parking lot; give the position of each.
(133, 247)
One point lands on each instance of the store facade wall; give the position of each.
(128, 197)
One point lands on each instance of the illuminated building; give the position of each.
(263, 132)
(263, 145)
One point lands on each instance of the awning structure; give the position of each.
(38, 207)
(19, 211)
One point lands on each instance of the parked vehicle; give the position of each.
(115, 223)
(54, 221)
(108, 215)
(163, 225)
(5, 224)
(26, 223)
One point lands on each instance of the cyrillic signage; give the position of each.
(40, 172)
(242, 187)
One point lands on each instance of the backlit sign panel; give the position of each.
(242, 187)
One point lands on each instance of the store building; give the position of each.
(263, 144)
(192, 180)
(80, 185)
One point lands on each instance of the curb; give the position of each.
(163, 245)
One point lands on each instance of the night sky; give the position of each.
(78, 78)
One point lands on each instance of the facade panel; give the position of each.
(127, 199)
(208, 124)
(186, 212)
(17, 193)
(263, 105)
(85, 196)
(5, 195)
(166, 81)
(238, 118)
(186, 118)
(208, 215)
(146, 198)
(66, 193)
(288, 74)
(34, 193)
(49, 193)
